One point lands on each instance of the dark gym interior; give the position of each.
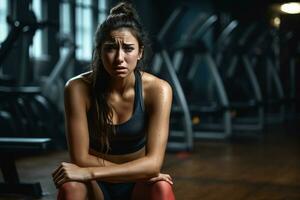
(234, 68)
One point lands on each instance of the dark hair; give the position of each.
(123, 15)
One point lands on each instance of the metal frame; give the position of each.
(162, 59)
(273, 80)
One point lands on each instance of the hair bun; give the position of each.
(123, 8)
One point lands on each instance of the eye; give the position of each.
(128, 48)
(110, 47)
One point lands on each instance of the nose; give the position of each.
(120, 56)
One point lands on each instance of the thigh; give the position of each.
(141, 191)
(116, 191)
(153, 191)
(80, 190)
(95, 192)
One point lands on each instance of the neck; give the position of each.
(120, 85)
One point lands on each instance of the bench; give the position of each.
(9, 146)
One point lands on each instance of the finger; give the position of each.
(58, 168)
(168, 176)
(154, 179)
(61, 181)
(58, 178)
(58, 173)
(169, 181)
(56, 182)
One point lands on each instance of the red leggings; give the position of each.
(160, 190)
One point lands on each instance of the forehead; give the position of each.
(123, 35)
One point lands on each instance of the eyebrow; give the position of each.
(128, 44)
(113, 43)
(108, 43)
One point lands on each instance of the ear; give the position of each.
(141, 53)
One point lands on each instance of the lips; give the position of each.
(120, 67)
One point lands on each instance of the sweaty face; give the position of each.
(120, 53)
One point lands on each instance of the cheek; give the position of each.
(132, 59)
(107, 58)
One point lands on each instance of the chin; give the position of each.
(121, 75)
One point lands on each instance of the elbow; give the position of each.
(152, 173)
(156, 170)
(80, 164)
(79, 161)
(153, 170)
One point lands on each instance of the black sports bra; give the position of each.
(129, 136)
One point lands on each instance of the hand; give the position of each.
(70, 172)
(161, 177)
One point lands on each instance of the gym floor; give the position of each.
(267, 167)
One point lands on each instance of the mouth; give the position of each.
(120, 69)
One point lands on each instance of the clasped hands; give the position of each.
(70, 172)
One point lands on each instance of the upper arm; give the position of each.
(76, 120)
(159, 101)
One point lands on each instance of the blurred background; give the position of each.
(234, 69)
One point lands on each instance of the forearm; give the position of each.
(92, 161)
(143, 168)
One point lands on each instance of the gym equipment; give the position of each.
(24, 30)
(221, 60)
(29, 121)
(35, 110)
(263, 61)
(28, 114)
(11, 147)
(181, 133)
(289, 56)
(52, 86)
(204, 89)
(28, 125)
(240, 81)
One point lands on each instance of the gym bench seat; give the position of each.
(8, 147)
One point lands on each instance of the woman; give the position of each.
(117, 120)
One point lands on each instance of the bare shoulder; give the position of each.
(155, 88)
(79, 87)
(79, 82)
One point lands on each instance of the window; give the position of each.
(84, 34)
(102, 5)
(3, 23)
(36, 49)
(85, 12)
(65, 24)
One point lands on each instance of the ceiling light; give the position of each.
(290, 8)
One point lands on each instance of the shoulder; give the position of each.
(153, 84)
(79, 82)
(155, 88)
(78, 88)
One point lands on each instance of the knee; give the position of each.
(70, 186)
(69, 190)
(162, 190)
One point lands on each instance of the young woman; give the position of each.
(117, 120)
